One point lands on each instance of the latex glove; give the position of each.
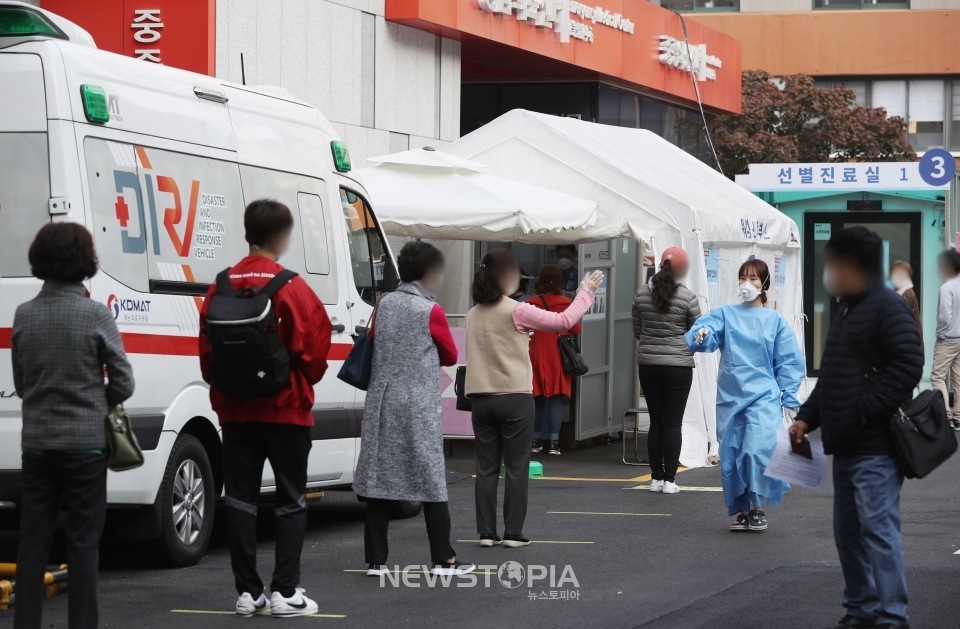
(701, 335)
(790, 414)
(592, 282)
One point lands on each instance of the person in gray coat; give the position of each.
(62, 341)
(663, 311)
(401, 446)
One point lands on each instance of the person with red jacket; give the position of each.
(276, 428)
(551, 385)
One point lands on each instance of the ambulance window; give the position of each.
(373, 270)
(313, 224)
(24, 170)
(24, 192)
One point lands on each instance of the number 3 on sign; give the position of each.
(937, 167)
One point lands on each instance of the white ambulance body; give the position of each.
(162, 185)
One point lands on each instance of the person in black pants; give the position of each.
(62, 341)
(663, 311)
(275, 428)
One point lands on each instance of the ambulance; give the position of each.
(159, 163)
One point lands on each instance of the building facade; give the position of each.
(398, 74)
(902, 55)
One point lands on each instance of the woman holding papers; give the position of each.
(761, 367)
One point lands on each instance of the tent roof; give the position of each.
(645, 187)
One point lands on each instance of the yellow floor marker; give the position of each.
(219, 613)
(666, 515)
(533, 541)
(682, 489)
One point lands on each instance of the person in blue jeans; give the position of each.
(853, 414)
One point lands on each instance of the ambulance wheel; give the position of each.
(187, 504)
(403, 509)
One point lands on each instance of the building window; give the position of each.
(861, 4)
(620, 109)
(955, 125)
(925, 110)
(701, 5)
(892, 96)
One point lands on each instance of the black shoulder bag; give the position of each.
(570, 358)
(921, 433)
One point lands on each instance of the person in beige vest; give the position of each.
(500, 383)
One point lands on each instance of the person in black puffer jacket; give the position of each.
(853, 415)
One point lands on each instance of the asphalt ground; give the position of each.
(639, 560)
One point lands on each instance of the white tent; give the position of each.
(648, 190)
(422, 194)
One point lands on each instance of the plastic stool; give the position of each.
(636, 412)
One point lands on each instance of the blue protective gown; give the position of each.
(761, 367)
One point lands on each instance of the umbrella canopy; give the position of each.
(429, 157)
(464, 203)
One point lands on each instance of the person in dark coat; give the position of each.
(853, 413)
(901, 276)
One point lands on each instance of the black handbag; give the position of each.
(921, 433)
(459, 386)
(570, 358)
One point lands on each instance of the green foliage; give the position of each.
(793, 121)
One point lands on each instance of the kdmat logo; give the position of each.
(129, 309)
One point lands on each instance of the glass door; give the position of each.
(900, 232)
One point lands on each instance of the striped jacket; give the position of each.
(61, 343)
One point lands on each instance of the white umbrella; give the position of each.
(460, 203)
(429, 157)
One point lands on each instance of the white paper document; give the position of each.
(797, 469)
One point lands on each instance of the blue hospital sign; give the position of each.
(844, 176)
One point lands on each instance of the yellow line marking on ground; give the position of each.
(204, 611)
(533, 541)
(684, 488)
(605, 513)
(421, 571)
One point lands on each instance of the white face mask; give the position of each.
(748, 292)
(565, 264)
(900, 280)
(513, 288)
(681, 280)
(829, 282)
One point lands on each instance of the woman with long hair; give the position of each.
(551, 385)
(663, 311)
(761, 368)
(500, 383)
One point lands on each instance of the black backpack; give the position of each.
(247, 359)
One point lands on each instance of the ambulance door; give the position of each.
(373, 271)
(311, 256)
(24, 194)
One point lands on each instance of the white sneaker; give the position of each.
(656, 485)
(296, 605)
(247, 606)
(671, 487)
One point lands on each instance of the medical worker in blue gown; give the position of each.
(761, 368)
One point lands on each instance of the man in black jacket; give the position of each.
(853, 414)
